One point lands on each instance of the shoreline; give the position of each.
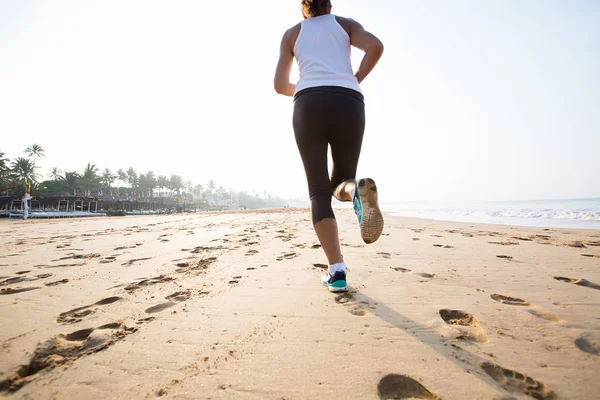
(387, 214)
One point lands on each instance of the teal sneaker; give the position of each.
(366, 208)
(336, 282)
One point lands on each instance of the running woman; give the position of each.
(329, 110)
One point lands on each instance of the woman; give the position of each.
(329, 110)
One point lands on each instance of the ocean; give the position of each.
(567, 213)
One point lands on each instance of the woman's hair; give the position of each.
(314, 8)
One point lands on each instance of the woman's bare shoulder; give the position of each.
(293, 32)
(345, 23)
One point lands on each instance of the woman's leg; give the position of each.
(346, 143)
(327, 232)
(310, 121)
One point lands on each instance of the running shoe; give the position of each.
(336, 282)
(367, 210)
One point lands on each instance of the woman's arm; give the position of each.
(284, 67)
(368, 43)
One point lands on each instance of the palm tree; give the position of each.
(22, 168)
(162, 182)
(108, 177)
(121, 175)
(132, 178)
(142, 185)
(3, 165)
(35, 150)
(90, 179)
(150, 183)
(4, 171)
(70, 181)
(176, 183)
(210, 188)
(55, 174)
(198, 190)
(189, 187)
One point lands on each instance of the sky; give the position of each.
(475, 100)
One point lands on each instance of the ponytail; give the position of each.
(315, 8)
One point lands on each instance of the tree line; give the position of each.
(122, 182)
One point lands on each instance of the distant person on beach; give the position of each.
(329, 110)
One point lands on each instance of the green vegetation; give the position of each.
(106, 182)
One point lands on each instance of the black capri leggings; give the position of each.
(328, 116)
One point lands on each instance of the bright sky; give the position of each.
(472, 100)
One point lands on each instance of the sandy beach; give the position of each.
(229, 305)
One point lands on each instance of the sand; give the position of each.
(229, 305)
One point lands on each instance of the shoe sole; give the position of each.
(333, 289)
(371, 225)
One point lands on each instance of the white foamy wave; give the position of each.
(589, 215)
(583, 213)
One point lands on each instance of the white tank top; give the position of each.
(322, 51)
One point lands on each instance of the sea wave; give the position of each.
(588, 215)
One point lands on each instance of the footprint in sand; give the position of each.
(446, 246)
(145, 320)
(182, 295)
(524, 239)
(545, 315)
(159, 307)
(77, 314)
(507, 243)
(65, 349)
(355, 246)
(587, 346)
(235, 280)
(467, 325)
(16, 279)
(400, 269)
(349, 301)
(250, 269)
(134, 260)
(505, 257)
(518, 383)
(513, 301)
(287, 256)
(385, 255)
(78, 257)
(590, 255)
(251, 252)
(580, 282)
(108, 259)
(315, 246)
(147, 282)
(198, 265)
(394, 386)
(7, 291)
(19, 279)
(426, 275)
(56, 283)
(320, 266)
